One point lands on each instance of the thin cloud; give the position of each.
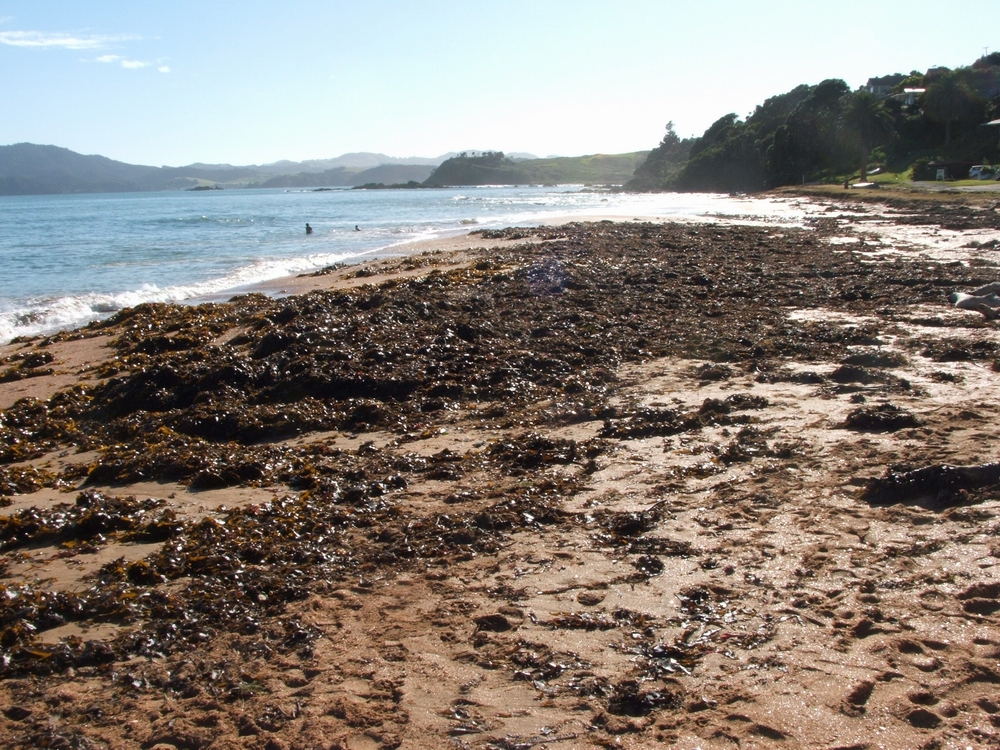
(126, 63)
(164, 68)
(56, 40)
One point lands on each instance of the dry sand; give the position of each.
(720, 585)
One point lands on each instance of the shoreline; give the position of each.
(283, 285)
(595, 485)
(301, 283)
(415, 258)
(821, 193)
(393, 256)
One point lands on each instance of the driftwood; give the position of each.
(944, 485)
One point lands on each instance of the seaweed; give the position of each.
(940, 484)
(880, 418)
(535, 334)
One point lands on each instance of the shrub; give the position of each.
(922, 171)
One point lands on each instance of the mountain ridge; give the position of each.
(41, 169)
(35, 169)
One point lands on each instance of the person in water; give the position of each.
(357, 228)
(309, 229)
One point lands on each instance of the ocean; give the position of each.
(69, 259)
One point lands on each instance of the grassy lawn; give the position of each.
(891, 177)
(900, 178)
(969, 183)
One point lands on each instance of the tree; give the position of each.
(805, 144)
(663, 163)
(716, 134)
(734, 162)
(948, 99)
(865, 123)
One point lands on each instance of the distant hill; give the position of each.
(367, 160)
(354, 161)
(32, 169)
(394, 173)
(28, 168)
(337, 177)
(495, 168)
(342, 176)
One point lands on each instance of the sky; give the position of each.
(248, 82)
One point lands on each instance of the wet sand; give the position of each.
(591, 485)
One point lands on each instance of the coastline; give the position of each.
(237, 250)
(586, 484)
(396, 259)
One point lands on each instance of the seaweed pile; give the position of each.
(942, 485)
(524, 340)
(528, 337)
(535, 322)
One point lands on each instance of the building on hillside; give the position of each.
(883, 86)
(993, 124)
(934, 73)
(909, 96)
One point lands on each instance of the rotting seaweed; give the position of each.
(535, 335)
(92, 516)
(941, 484)
(535, 323)
(880, 418)
(650, 422)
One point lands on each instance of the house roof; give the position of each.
(889, 80)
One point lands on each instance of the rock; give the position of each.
(495, 623)
(590, 598)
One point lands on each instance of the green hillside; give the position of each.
(494, 168)
(916, 124)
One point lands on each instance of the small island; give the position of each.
(411, 185)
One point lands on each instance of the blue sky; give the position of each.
(253, 82)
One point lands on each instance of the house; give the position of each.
(909, 96)
(992, 124)
(883, 86)
(950, 170)
(934, 74)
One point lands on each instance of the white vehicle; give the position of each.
(981, 172)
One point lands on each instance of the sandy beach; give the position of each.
(591, 484)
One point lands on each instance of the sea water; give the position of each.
(66, 260)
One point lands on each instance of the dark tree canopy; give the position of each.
(865, 123)
(825, 133)
(948, 99)
(663, 162)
